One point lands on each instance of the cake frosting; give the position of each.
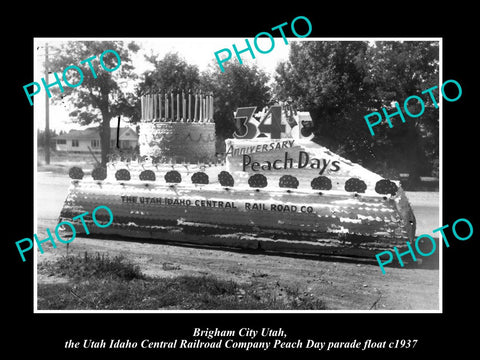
(286, 194)
(182, 141)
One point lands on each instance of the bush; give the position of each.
(76, 173)
(200, 178)
(99, 173)
(386, 186)
(321, 183)
(257, 181)
(355, 185)
(122, 174)
(288, 181)
(173, 176)
(147, 175)
(226, 179)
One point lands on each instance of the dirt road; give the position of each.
(341, 283)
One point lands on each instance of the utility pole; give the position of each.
(47, 112)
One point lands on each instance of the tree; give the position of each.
(341, 82)
(399, 70)
(327, 79)
(170, 73)
(97, 99)
(239, 85)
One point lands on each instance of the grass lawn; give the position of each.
(100, 282)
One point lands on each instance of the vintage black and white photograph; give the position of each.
(268, 174)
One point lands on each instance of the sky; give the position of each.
(196, 51)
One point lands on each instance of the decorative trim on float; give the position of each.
(355, 185)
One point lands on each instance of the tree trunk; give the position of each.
(105, 138)
(416, 157)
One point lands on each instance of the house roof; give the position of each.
(94, 133)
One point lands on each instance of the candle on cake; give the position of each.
(166, 106)
(173, 114)
(178, 106)
(195, 109)
(160, 105)
(201, 106)
(189, 105)
(184, 107)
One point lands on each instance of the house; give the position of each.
(80, 140)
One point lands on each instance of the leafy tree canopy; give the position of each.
(170, 73)
(239, 85)
(340, 82)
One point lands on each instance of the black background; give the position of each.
(46, 334)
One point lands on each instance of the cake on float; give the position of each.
(275, 189)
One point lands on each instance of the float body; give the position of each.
(274, 219)
(287, 194)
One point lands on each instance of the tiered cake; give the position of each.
(178, 126)
(281, 192)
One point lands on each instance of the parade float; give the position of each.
(275, 189)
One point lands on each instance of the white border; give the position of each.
(227, 41)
